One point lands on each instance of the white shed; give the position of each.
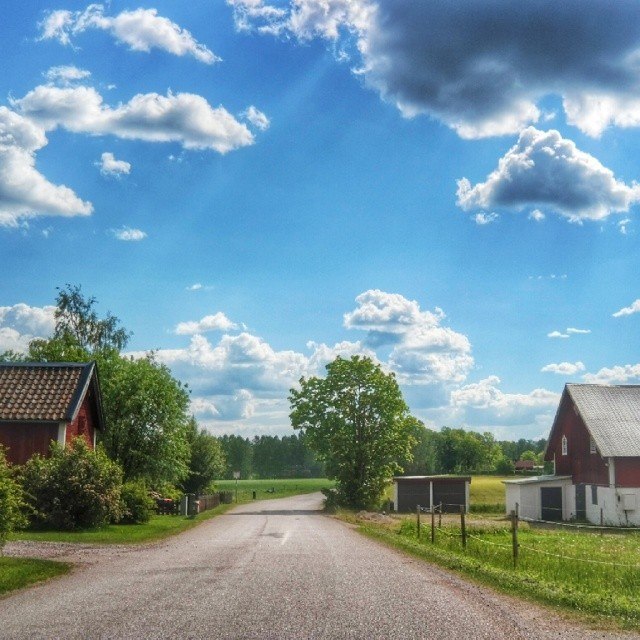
(541, 497)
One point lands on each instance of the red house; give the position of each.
(41, 403)
(595, 447)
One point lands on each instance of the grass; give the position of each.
(16, 573)
(163, 526)
(595, 575)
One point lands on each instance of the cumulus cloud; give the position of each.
(574, 331)
(216, 322)
(185, 118)
(141, 29)
(557, 334)
(128, 234)
(619, 374)
(634, 307)
(543, 168)
(424, 351)
(109, 166)
(484, 401)
(537, 215)
(481, 67)
(482, 218)
(564, 368)
(24, 191)
(21, 323)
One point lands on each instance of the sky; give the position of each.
(255, 188)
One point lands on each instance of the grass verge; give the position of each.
(593, 576)
(164, 526)
(16, 573)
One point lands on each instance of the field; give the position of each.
(266, 489)
(16, 573)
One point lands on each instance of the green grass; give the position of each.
(163, 526)
(281, 488)
(16, 573)
(487, 490)
(592, 574)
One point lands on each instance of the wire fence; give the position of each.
(506, 540)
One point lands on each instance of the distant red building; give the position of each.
(45, 402)
(524, 465)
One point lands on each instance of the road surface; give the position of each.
(272, 570)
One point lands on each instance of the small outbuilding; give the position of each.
(452, 492)
(45, 402)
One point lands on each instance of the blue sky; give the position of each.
(255, 188)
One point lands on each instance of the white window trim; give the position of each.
(565, 446)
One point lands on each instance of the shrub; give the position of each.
(11, 504)
(75, 488)
(137, 506)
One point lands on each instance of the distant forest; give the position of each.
(444, 451)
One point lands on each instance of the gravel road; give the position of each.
(275, 570)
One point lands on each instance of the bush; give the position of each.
(75, 488)
(137, 506)
(11, 504)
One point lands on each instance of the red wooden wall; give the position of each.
(579, 462)
(23, 439)
(85, 422)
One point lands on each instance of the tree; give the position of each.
(146, 414)
(358, 423)
(238, 454)
(77, 319)
(206, 460)
(11, 502)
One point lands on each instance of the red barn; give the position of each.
(41, 403)
(595, 447)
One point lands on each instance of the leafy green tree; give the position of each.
(206, 460)
(359, 425)
(423, 454)
(147, 419)
(74, 488)
(528, 455)
(11, 502)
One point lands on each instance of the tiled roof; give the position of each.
(612, 416)
(42, 391)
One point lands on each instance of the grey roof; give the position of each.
(535, 479)
(612, 416)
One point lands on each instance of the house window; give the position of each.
(592, 447)
(594, 494)
(564, 445)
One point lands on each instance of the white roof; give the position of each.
(612, 416)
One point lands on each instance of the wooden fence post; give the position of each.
(433, 525)
(514, 536)
(418, 520)
(463, 528)
(440, 516)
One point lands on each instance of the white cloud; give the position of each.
(564, 368)
(557, 334)
(485, 401)
(21, 323)
(627, 311)
(185, 118)
(623, 225)
(66, 75)
(537, 215)
(256, 118)
(482, 218)
(619, 374)
(24, 191)
(424, 351)
(480, 75)
(215, 322)
(195, 287)
(141, 29)
(129, 235)
(109, 166)
(574, 331)
(544, 168)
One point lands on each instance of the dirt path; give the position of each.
(277, 570)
